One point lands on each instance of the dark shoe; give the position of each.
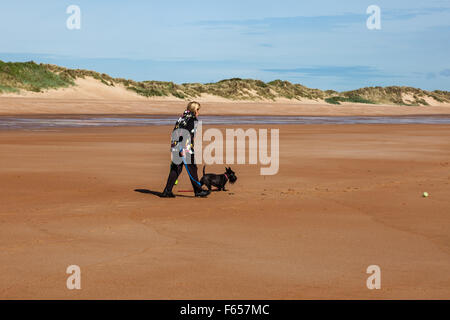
(202, 194)
(167, 194)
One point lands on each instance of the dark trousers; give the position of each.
(175, 171)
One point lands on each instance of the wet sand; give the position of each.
(78, 121)
(346, 197)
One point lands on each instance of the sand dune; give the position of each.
(87, 88)
(90, 96)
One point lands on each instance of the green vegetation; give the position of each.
(350, 98)
(8, 89)
(333, 100)
(30, 76)
(398, 95)
(37, 77)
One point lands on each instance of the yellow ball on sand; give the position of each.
(425, 194)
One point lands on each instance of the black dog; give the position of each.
(218, 180)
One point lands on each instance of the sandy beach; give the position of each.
(41, 104)
(333, 116)
(346, 197)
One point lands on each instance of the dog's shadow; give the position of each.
(159, 194)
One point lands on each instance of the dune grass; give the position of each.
(30, 76)
(16, 76)
(352, 98)
(7, 89)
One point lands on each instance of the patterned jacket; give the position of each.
(188, 122)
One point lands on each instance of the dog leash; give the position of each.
(185, 164)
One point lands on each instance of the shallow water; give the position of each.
(102, 121)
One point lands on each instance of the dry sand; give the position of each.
(346, 197)
(52, 106)
(87, 88)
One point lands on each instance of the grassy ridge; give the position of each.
(29, 76)
(395, 95)
(38, 77)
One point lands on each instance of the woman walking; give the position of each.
(182, 145)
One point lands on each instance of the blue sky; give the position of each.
(320, 44)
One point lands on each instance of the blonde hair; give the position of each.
(193, 106)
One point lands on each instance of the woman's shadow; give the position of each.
(159, 194)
